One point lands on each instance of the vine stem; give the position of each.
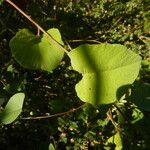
(50, 38)
(91, 41)
(115, 124)
(54, 115)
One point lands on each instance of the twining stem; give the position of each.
(54, 115)
(50, 38)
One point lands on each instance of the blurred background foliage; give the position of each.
(80, 21)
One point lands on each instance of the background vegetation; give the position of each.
(80, 21)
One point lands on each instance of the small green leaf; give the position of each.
(116, 139)
(51, 147)
(36, 52)
(137, 115)
(12, 109)
(105, 69)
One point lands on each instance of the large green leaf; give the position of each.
(36, 52)
(106, 69)
(12, 109)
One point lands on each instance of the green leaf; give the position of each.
(140, 95)
(136, 115)
(146, 64)
(147, 25)
(1, 1)
(116, 139)
(12, 109)
(105, 69)
(36, 52)
(51, 147)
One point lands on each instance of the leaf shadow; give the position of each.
(92, 68)
(123, 91)
(140, 95)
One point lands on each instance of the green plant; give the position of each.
(108, 70)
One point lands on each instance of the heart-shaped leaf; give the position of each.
(36, 52)
(105, 69)
(12, 109)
